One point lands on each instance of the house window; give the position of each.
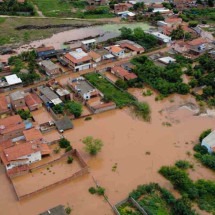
(29, 155)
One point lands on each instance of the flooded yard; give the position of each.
(45, 176)
(51, 136)
(138, 148)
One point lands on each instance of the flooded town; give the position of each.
(107, 107)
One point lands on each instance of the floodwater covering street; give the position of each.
(139, 149)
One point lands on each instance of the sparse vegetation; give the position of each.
(24, 114)
(182, 164)
(68, 210)
(98, 190)
(142, 110)
(70, 159)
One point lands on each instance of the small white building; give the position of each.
(161, 37)
(13, 80)
(209, 142)
(88, 44)
(166, 60)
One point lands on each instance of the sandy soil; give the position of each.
(138, 148)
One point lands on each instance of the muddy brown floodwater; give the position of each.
(138, 148)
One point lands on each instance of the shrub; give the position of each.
(193, 24)
(204, 134)
(181, 164)
(100, 191)
(69, 148)
(68, 210)
(58, 109)
(88, 118)
(92, 190)
(56, 150)
(142, 110)
(69, 159)
(64, 143)
(24, 114)
(74, 108)
(93, 146)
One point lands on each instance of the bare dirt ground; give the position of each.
(138, 148)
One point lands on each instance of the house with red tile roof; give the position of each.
(33, 101)
(24, 154)
(95, 56)
(131, 46)
(32, 134)
(122, 73)
(78, 60)
(11, 127)
(173, 21)
(5, 109)
(116, 50)
(121, 7)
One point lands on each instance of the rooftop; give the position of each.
(210, 139)
(43, 49)
(17, 95)
(163, 37)
(32, 99)
(88, 41)
(64, 124)
(166, 60)
(3, 104)
(11, 123)
(77, 56)
(115, 49)
(58, 210)
(62, 92)
(51, 95)
(197, 42)
(32, 134)
(94, 55)
(131, 45)
(13, 79)
(49, 65)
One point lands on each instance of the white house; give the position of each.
(161, 37)
(116, 50)
(78, 60)
(209, 142)
(88, 44)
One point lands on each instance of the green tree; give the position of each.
(58, 109)
(178, 33)
(121, 84)
(204, 134)
(74, 108)
(93, 146)
(24, 114)
(64, 143)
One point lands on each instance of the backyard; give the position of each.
(109, 90)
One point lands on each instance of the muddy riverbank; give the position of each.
(138, 148)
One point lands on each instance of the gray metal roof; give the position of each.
(17, 95)
(48, 93)
(84, 87)
(49, 65)
(64, 124)
(58, 210)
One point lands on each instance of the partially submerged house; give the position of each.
(209, 142)
(24, 154)
(11, 127)
(64, 124)
(50, 68)
(58, 210)
(161, 37)
(122, 7)
(78, 60)
(166, 60)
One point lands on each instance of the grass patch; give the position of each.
(11, 35)
(110, 92)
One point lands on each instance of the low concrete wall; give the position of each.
(84, 170)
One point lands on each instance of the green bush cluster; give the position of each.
(201, 191)
(166, 80)
(98, 190)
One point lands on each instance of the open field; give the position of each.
(10, 35)
(67, 8)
